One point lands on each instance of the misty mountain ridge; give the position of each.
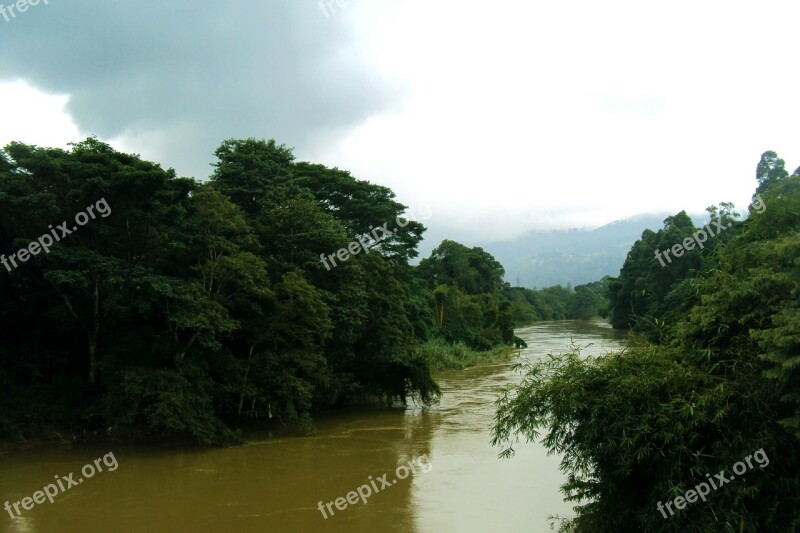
(544, 258)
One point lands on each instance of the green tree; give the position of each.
(643, 426)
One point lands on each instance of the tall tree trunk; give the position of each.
(244, 382)
(182, 354)
(94, 333)
(91, 333)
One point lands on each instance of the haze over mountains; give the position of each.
(576, 256)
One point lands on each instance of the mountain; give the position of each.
(576, 256)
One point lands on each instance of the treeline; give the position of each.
(587, 301)
(712, 378)
(194, 306)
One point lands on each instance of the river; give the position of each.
(276, 483)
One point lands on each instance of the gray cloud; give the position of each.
(176, 78)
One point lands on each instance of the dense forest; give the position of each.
(186, 307)
(712, 375)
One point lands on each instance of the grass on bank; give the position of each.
(442, 355)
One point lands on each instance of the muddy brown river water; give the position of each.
(276, 483)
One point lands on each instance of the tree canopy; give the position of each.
(193, 307)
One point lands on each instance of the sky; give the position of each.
(497, 118)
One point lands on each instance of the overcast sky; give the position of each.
(500, 116)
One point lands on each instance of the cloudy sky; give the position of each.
(500, 116)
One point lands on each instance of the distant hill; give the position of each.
(542, 259)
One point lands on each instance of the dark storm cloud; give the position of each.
(177, 77)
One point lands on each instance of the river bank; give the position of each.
(276, 481)
(442, 356)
